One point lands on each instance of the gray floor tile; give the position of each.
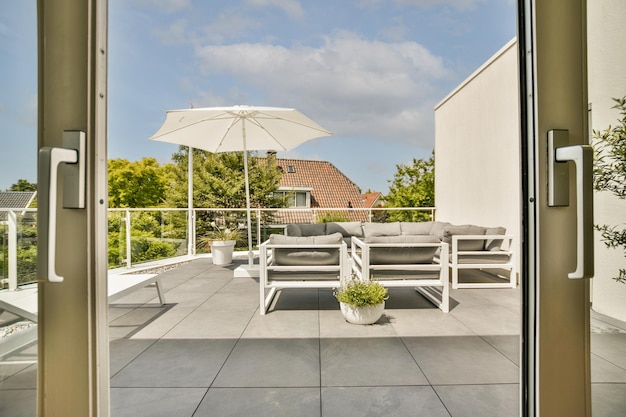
(381, 402)
(9, 369)
(175, 363)
(231, 301)
(284, 324)
(155, 402)
(509, 346)
(212, 324)
(164, 324)
(18, 403)
(426, 322)
(134, 319)
(407, 298)
(604, 371)
(488, 319)
(260, 402)
(480, 400)
(23, 379)
(272, 363)
(611, 347)
(461, 360)
(295, 299)
(368, 362)
(333, 324)
(123, 351)
(608, 400)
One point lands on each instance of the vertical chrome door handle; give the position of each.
(74, 191)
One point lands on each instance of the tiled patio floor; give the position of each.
(208, 352)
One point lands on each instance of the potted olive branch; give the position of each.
(362, 302)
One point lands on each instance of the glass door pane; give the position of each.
(606, 58)
(372, 72)
(18, 217)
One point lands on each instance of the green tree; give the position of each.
(138, 184)
(23, 185)
(218, 180)
(412, 186)
(610, 175)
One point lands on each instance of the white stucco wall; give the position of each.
(477, 144)
(606, 53)
(477, 150)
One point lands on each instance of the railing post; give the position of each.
(128, 246)
(192, 230)
(12, 261)
(258, 227)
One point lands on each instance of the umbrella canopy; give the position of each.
(239, 128)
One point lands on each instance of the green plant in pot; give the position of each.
(222, 241)
(362, 302)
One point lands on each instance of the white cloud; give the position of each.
(293, 8)
(352, 86)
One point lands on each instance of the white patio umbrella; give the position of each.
(239, 128)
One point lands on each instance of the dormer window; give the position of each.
(298, 197)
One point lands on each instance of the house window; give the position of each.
(291, 168)
(295, 199)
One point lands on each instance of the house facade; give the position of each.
(307, 184)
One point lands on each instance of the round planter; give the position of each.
(222, 251)
(362, 315)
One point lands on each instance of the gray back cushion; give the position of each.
(306, 255)
(467, 229)
(402, 255)
(494, 244)
(347, 229)
(293, 229)
(437, 229)
(416, 228)
(381, 229)
(306, 229)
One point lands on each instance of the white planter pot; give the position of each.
(362, 315)
(222, 251)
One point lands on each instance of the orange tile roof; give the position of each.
(329, 188)
(369, 199)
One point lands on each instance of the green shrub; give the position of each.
(361, 293)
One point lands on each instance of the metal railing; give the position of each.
(141, 235)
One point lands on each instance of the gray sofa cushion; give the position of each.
(438, 228)
(416, 228)
(494, 244)
(402, 255)
(306, 229)
(468, 229)
(347, 229)
(381, 229)
(293, 229)
(306, 255)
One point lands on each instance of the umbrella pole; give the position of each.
(245, 170)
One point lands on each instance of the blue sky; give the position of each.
(370, 71)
